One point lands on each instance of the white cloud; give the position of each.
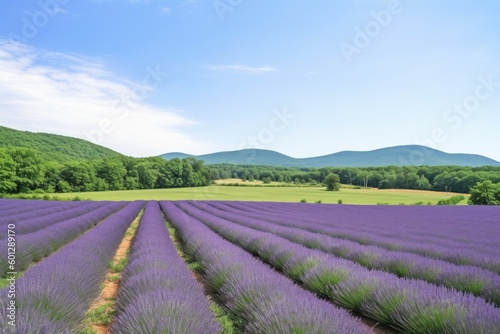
(166, 10)
(76, 96)
(240, 68)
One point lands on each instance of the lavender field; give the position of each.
(248, 267)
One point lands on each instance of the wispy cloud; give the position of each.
(240, 68)
(72, 95)
(166, 10)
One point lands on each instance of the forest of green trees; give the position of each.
(25, 170)
(440, 178)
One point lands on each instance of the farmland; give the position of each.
(278, 193)
(254, 267)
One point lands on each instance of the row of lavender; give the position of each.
(406, 305)
(35, 220)
(472, 227)
(157, 292)
(267, 301)
(471, 279)
(155, 272)
(405, 224)
(17, 211)
(36, 238)
(10, 207)
(460, 235)
(54, 295)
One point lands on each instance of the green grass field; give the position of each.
(276, 194)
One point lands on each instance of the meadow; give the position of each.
(219, 267)
(256, 191)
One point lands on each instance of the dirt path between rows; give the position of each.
(374, 326)
(111, 284)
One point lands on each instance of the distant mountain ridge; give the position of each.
(405, 155)
(63, 148)
(54, 147)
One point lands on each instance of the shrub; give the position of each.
(452, 200)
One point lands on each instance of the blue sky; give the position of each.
(305, 78)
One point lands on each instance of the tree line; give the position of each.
(25, 170)
(440, 178)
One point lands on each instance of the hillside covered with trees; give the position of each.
(24, 170)
(41, 162)
(54, 147)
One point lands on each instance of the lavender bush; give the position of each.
(158, 293)
(406, 303)
(54, 295)
(471, 279)
(268, 302)
(460, 235)
(32, 247)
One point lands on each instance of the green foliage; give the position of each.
(452, 200)
(54, 147)
(102, 314)
(114, 278)
(322, 281)
(117, 267)
(351, 298)
(25, 171)
(399, 268)
(332, 182)
(303, 200)
(230, 323)
(29, 173)
(195, 266)
(297, 270)
(485, 193)
(439, 178)
(434, 319)
(339, 201)
(51, 163)
(7, 172)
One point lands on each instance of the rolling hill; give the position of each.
(397, 155)
(62, 148)
(54, 147)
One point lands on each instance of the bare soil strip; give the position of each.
(102, 308)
